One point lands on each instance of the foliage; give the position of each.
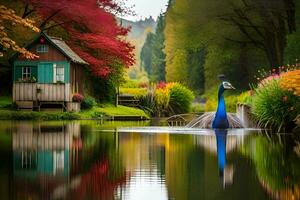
(212, 102)
(161, 85)
(180, 98)
(95, 36)
(276, 163)
(292, 50)
(110, 110)
(198, 108)
(9, 18)
(252, 36)
(152, 55)
(5, 102)
(162, 100)
(137, 92)
(167, 99)
(275, 107)
(94, 113)
(290, 81)
(130, 83)
(21, 115)
(104, 90)
(77, 97)
(245, 97)
(88, 103)
(148, 104)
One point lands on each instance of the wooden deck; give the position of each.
(42, 92)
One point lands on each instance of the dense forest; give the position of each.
(200, 39)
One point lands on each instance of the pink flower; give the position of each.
(268, 79)
(77, 97)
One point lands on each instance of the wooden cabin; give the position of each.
(52, 78)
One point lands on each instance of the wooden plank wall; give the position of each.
(49, 92)
(29, 137)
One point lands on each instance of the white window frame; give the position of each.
(58, 161)
(26, 73)
(58, 73)
(42, 48)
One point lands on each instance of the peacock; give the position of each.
(219, 119)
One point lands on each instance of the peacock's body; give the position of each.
(219, 119)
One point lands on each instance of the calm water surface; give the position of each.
(91, 160)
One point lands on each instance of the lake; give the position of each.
(136, 161)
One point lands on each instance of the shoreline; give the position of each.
(103, 112)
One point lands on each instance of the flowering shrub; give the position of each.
(168, 99)
(77, 97)
(180, 98)
(161, 85)
(291, 81)
(276, 100)
(275, 107)
(268, 79)
(162, 98)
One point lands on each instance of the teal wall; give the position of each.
(42, 71)
(44, 164)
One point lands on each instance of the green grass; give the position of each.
(5, 102)
(34, 115)
(104, 110)
(134, 91)
(110, 110)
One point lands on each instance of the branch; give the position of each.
(242, 15)
(248, 35)
(54, 25)
(49, 18)
(27, 11)
(237, 41)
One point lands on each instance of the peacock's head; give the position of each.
(227, 86)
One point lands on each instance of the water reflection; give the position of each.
(225, 172)
(87, 160)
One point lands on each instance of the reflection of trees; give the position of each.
(277, 165)
(97, 183)
(100, 167)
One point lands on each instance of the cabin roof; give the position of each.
(60, 45)
(67, 50)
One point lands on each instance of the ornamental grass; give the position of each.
(275, 107)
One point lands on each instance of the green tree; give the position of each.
(152, 54)
(146, 53)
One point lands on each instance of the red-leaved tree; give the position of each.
(93, 31)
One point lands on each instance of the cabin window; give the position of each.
(58, 73)
(42, 48)
(58, 161)
(29, 160)
(26, 73)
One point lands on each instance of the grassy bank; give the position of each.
(108, 110)
(97, 112)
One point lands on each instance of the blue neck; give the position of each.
(220, 121)
(221, 111)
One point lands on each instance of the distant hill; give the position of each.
(138, 28)
(137, 37)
